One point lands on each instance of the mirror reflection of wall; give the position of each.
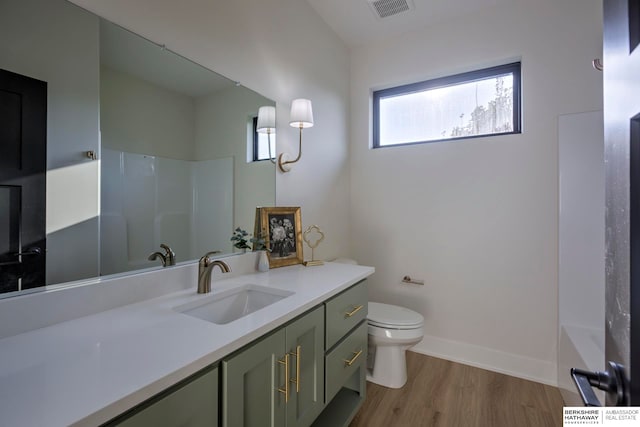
(57, 43)
(171, 137)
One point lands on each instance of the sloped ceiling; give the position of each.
(357, 24)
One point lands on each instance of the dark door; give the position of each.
(23, 165)
(621, 375)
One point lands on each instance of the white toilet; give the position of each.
(392, 331)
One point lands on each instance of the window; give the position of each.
(477, 103)
(260, 144)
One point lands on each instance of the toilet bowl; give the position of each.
(392, 331)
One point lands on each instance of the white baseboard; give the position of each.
(541, 371)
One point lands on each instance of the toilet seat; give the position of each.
(393, 317)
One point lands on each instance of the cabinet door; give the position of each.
(194, 404)
(305, 344)
(251, 380)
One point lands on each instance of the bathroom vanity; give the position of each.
(299, 360)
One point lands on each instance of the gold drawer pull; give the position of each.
(285, 391)
(354, 311)
(297, 355)
(353, 359)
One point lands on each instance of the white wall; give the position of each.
(283, 50)
(476, 219)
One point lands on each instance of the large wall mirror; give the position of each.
(171, 140)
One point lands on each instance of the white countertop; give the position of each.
(86, 371)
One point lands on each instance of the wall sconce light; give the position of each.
(267, 124)
(301, 117)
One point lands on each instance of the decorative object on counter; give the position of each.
(263, 261)
(281, 228)
(259, 245)
(301, 117)
(240, 239)
(408, 279)
(267, 124)
(167, 258)
(313, 243)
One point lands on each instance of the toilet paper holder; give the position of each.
(408, 279)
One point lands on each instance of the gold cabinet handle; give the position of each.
(297, 355)
(354, 311)
(285, 391)
(353, 359)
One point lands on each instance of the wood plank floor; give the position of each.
(443, 393)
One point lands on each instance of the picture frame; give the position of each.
(281, 227)
(257, 229)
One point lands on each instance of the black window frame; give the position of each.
(255, 140)
(511, 68)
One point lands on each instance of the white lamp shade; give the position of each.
(301, 113)
(266, 119)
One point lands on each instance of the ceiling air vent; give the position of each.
(386, 8)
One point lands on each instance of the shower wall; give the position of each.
(144, 204)
(581, 277)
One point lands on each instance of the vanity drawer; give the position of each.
(344, 312)
(341, 362)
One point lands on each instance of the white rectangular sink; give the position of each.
(233, 304)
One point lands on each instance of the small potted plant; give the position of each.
(239, 239)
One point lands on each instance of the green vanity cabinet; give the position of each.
(345, 357)
(279, 380)
(191, 403)
(308, 372)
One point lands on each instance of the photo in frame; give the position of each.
(281, 229)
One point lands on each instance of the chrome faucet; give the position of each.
(205, 266)
(167, 258)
